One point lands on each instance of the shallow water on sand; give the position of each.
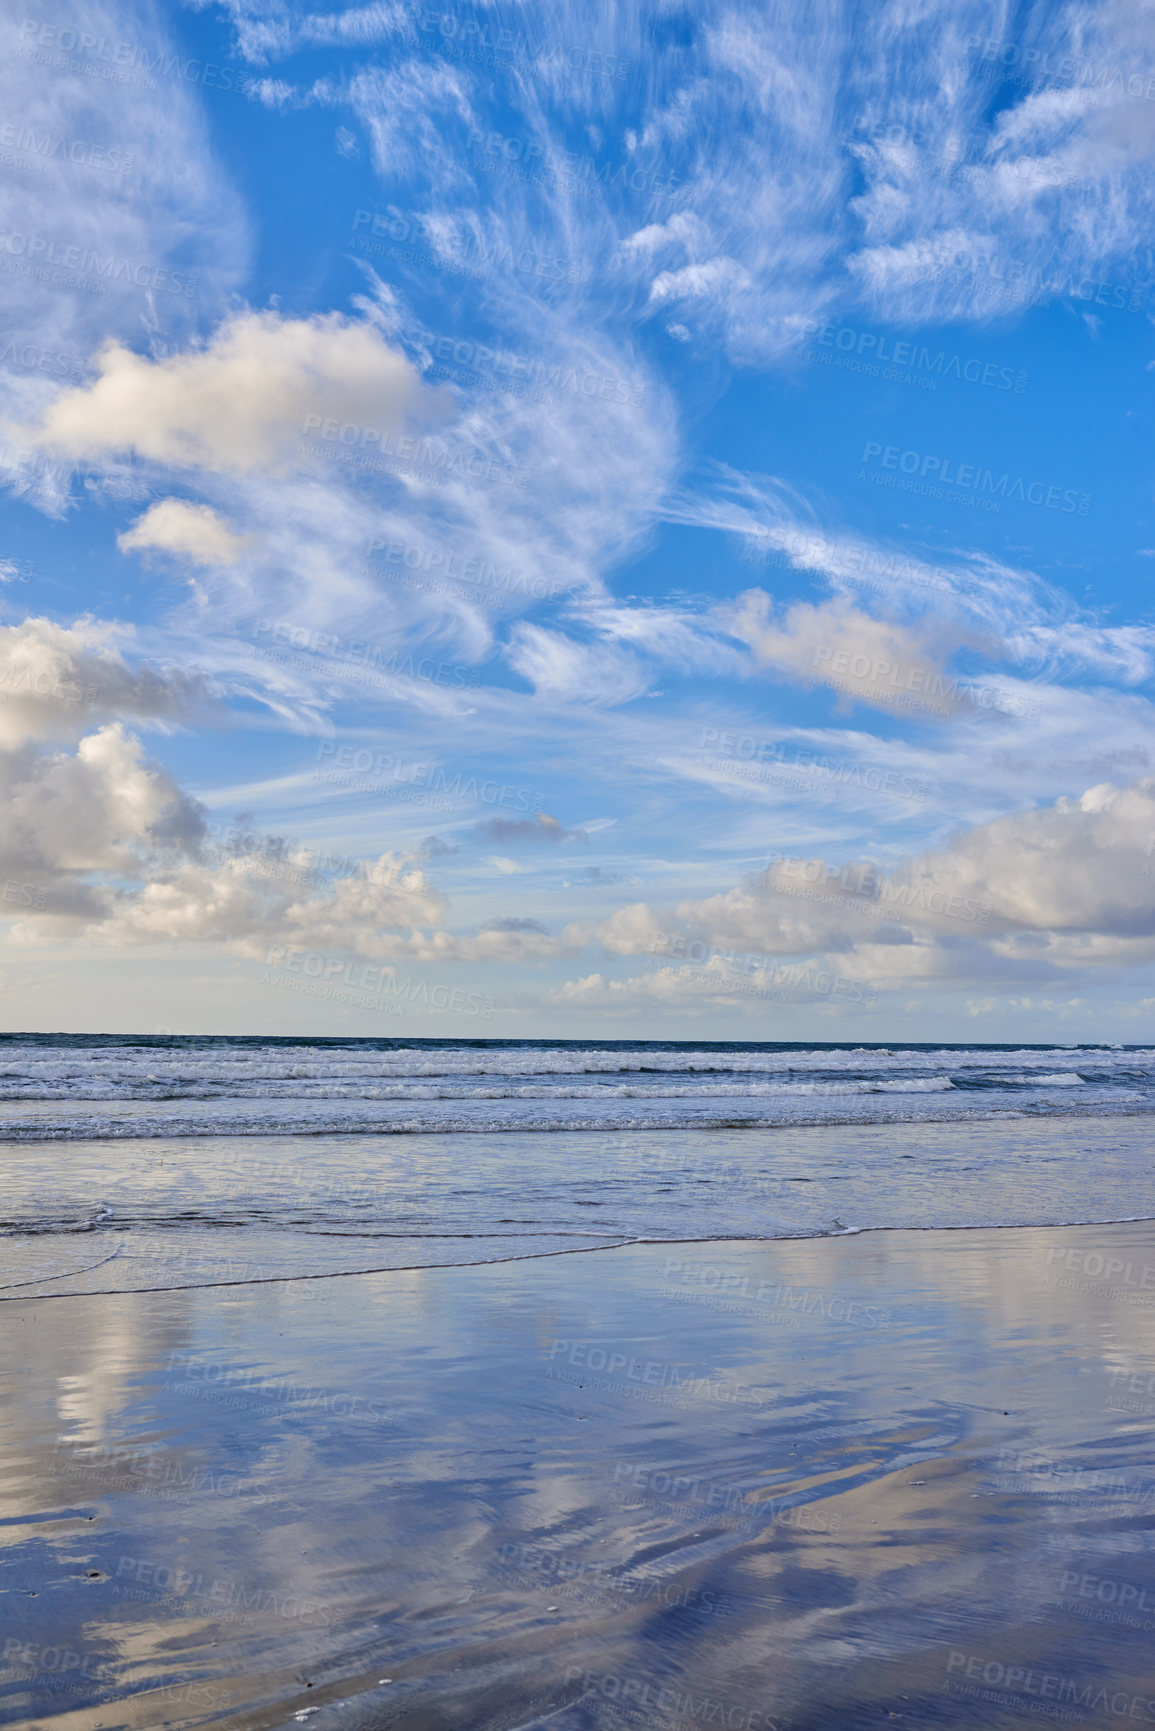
(901, 1475)
(103, 1216)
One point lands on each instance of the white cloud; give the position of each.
(272, 93)
(102, 809)
(411, 112)
(158, 231)
(1066, 885)
(195, 531)
(387, 910)
(239, 404)
(269, 32)
(566, 671)
(1076, 866)
(55, 680)
(874, 660)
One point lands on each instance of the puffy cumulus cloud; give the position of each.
(56, 680)
(106, 812)
(195, 532)
(1067, 885)
(364, 913)
(633, 931)
(238, 404)
(102, 809)
(875, 661)
(239, 901)
(744, 917)
(1079, 866)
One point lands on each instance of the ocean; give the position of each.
(162, 1161)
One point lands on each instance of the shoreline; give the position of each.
(574, 1250)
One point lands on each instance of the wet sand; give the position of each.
(902, 1476)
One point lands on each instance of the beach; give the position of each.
(898, 1475)
(367, 1383)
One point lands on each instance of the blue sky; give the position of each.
(579, 522)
